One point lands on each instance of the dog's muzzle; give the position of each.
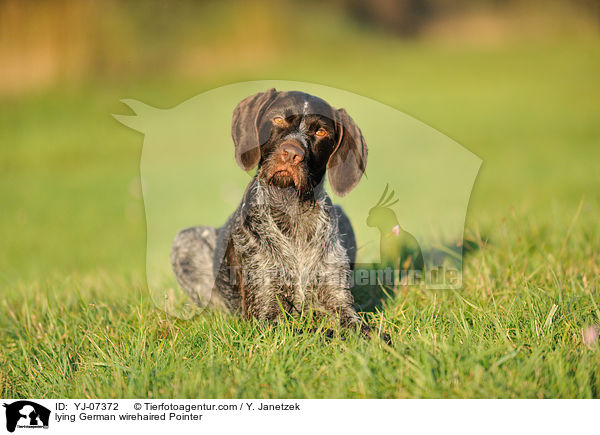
(286, 165)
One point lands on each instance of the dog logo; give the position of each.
(25, 414)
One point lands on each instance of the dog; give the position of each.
(286, 248)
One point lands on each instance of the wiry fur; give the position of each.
(275, 251)
(288, 254)
(286, 248)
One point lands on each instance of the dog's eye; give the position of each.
(278, 120)
(321, 132)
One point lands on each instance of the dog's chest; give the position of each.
(288, 253)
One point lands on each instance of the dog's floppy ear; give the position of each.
(244, 128)
(348, 161)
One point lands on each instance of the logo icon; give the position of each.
(396, 245)
(26, 414)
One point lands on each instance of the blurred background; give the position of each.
(516, 82)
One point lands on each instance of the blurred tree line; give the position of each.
(409, 17)
(48, 41)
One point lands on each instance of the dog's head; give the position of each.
(294, 138)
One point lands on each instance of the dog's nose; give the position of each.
(292, 153)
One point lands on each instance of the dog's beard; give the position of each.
(286, 176)
(284, 179)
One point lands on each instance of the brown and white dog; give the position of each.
(286, 247)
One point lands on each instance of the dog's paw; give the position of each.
(386, 338)
(331, 333)
(328, 333)
(370, 333)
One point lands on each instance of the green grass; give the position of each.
(77, 321)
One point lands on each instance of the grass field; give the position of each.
(77, 321)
